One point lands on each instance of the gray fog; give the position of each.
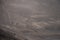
(29, 19)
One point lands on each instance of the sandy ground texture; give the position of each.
(30, 19)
